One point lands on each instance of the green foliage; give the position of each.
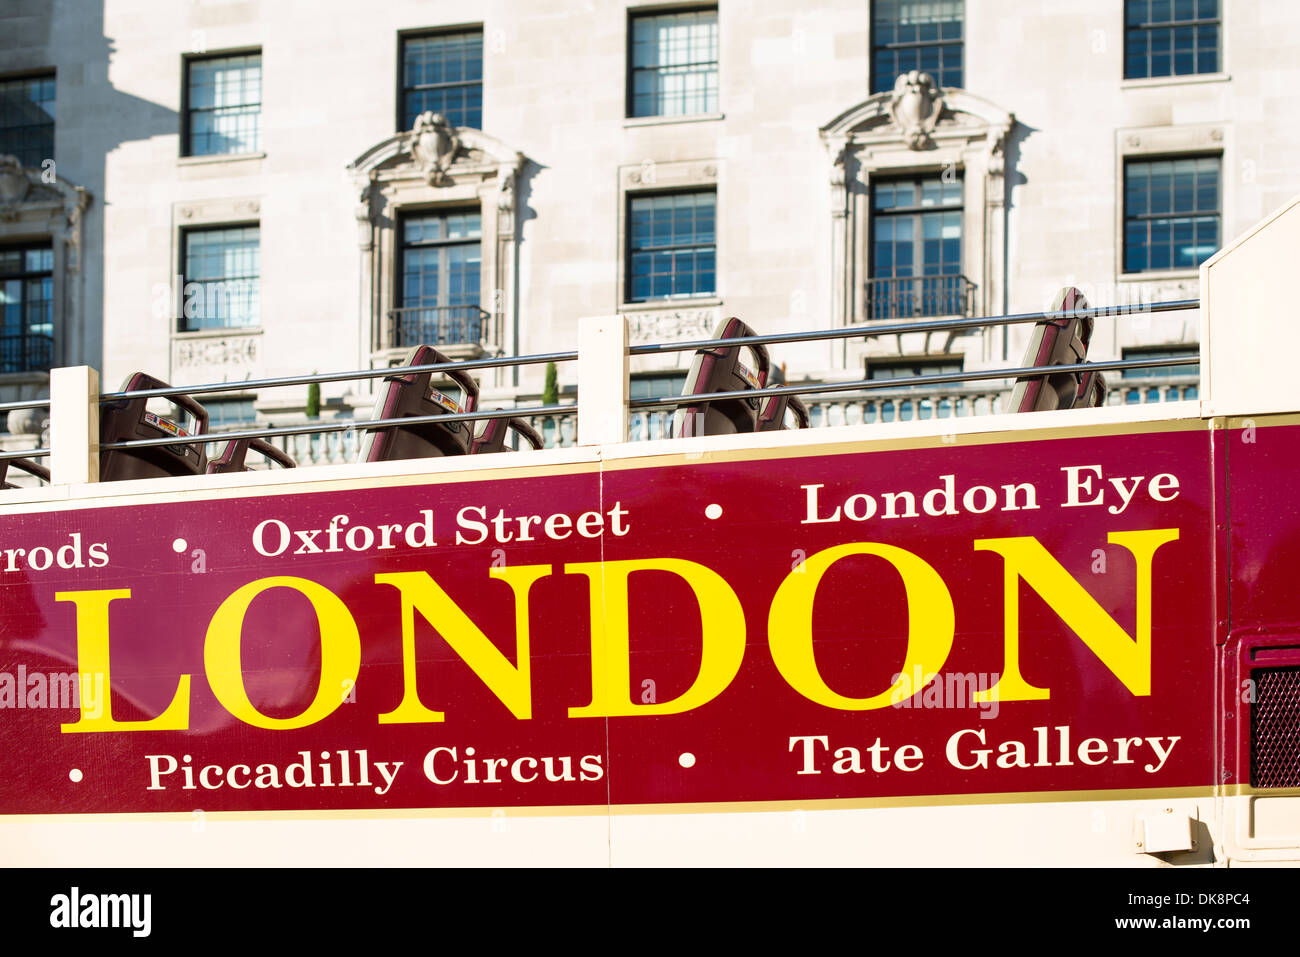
(313, 400)
(551, 391)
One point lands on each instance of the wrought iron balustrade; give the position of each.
(26, 352)
(911, 297)
(437, 325)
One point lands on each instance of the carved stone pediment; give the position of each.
(25, 190)
(918, 115)
(13, 182)
(915, 107)
(434, 153)
(918, 128)
(38, 203)
(431, 166)
(434, 145)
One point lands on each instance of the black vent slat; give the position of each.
(1275, 729)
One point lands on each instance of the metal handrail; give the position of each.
(247, 384)
(929, 325)
(338, 425)
(857, 385)
(344, 425)
(25, 404)
(848, 332)
(937, 379)
(25, 454)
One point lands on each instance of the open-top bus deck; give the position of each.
(1066, 637)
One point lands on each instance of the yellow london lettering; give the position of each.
(92, 658)
(340, 652)
(722, 626)
(510, 683)
(930, 624)
(931, 632)
(1129, 659)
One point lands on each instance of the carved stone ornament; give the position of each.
(507, 176)
(218, 352)
(433, 146)
(13, 186)
(670, 326)
(998, 155)
(914, 106)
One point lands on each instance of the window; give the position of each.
(1171, 213)
(908, 368)
(223, 105)
(1168, 390)
(27, 301)
(27, 119)
(920, 35)
(656, 385)
(443, 73)
(222, 278)
(916, 249)
(440, 268)
(1162, 352)
(674, 63)
(229, 413)
(672, 245)
(1170, 37)
(929, 401)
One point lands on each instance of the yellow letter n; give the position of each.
(1129, 659)
(512, 684)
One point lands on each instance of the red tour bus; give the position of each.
(1065, 637)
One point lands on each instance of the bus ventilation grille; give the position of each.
(1275, 729)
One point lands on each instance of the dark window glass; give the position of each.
(223, 97)
(923, 35)
(1171, 213)
(439, 274)
(1170, 37)
(222, 278)
(672, 246)
(916, 239)
(1162, 352)
(443, 73)
(907, 368)
(27, 307)
(227, 413)
(657, 385)
(27, 119)
(674, 63)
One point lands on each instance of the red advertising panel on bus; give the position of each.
(977, 615)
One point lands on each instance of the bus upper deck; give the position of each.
(1063, 637)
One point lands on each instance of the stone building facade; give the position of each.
(215, 190)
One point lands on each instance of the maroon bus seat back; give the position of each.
(1092, 391)
(23, 465)
(125, 420)
(409, 394)
(232, 457)
(1055, 342)
(773, 417)
(721, 369)
(493, 436)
